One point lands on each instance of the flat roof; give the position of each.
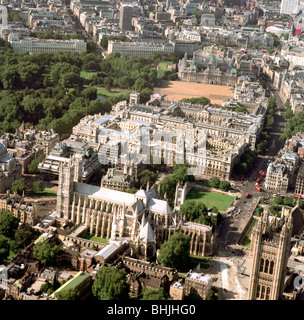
(73, 283)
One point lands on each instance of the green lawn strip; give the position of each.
(44, 193)
(106, 93)
(87, 74)
(246, 243)
(96, 239)
(162, 68)
(200, 257)
(210, 198)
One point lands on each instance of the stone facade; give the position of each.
(197, 285)
(270, 248)
(10, 169)
(25, 211)
(142, 218)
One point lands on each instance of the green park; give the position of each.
(210, 198)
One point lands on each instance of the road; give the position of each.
(228, 255)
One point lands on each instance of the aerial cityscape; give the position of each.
(151, 150)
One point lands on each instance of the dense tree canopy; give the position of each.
(4, 248)
(225, 185)
(19, 186)
(105, 40)
(24, 235)
(47, 86)
(8, 223)
(174, 253)
(201, 100)
(147, 176)
(192, 209)
(110, 284)
(37, 187)
(150, 294)
(33, 166)
(214, 182)
(69, 294)
(46, 252)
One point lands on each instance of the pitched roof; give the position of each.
(159, 205)
(146, 234)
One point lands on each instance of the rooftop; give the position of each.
(74, 282)
(199, 277)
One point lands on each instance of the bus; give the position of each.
(247, 195)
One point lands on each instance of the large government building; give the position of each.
(31, 45)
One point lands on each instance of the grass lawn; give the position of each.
(97, 239)
(200, 257)
(210, 198)
(246, 243)
(162, 67)
(106, 93)
(87, 75)
(44, 193)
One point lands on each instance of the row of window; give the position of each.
(263, 293)
(266, 266)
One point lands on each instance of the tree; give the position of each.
(37, 187)
(108, 83)
(45, 287)
(150, 294)
(287, 201)
(10, 77)
(200, 100)
(19, 186)
(33, 106)
(174, 253)
(131, 190)
(4, 248)
(70, 79)
(46, 252)
(69, 294)
(33, 166)
(212, 294)
(90, 93)
(225, 185)
(24, 235)
(30, 75)
(8, 223)
(145, 95)
(147, 176)
(192, 209)
(91, 46)
(180, 173)
(110, 284)
(214, 182)
(259, 211)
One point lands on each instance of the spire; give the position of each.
(148, 186)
